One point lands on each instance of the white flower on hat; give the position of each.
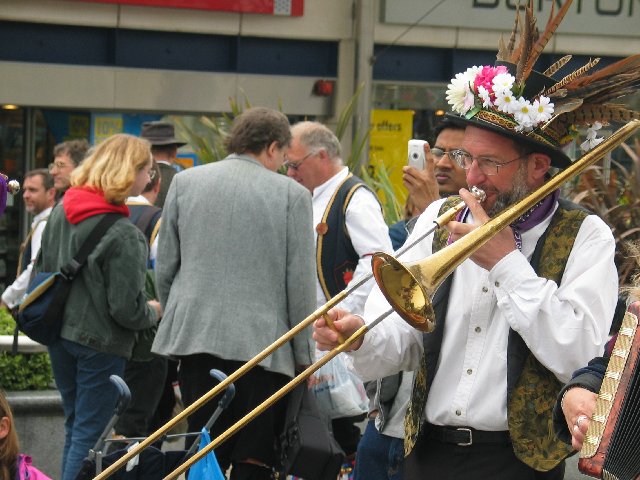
(505, 101)
(542, 109)
(591, 140)
(485, 96)
(503, 82)
(459, 94)
(522, 113)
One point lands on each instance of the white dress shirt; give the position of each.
(564, 326)
(367, 230)
(14, 292)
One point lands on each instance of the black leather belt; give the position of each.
(464, 436)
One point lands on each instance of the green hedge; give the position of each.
(24, 371)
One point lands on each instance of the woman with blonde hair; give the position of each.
(107, 303)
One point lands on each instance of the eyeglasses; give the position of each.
(438, 153)
(296, 165)
(59, 165)
(486, 165)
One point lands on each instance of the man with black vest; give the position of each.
(349, 227)
(524, 310)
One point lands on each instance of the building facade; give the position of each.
(74, 68)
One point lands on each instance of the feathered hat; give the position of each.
(534, 108)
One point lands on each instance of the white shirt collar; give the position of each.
(332, 183)
(41, 216)
(137, 200)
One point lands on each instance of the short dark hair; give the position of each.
(169, 149)
(76, 149)
(47, 178)
(444, 124)
(257, 128)
(152, 184)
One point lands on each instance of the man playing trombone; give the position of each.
(520, 313)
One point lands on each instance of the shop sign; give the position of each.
(293, 8)
(390, 133)
(593, 17)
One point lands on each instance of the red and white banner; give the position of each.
(293, 8)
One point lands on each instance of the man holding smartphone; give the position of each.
(442, 176)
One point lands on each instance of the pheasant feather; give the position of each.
(628, 64)
(572, 76)
(549, 72)
(527, 39)
(541, 43)
(588, 114)
(512, 40)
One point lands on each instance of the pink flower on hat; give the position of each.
(485, 78)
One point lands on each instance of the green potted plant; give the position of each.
(30, 368)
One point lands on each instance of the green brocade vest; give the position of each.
(531, 388)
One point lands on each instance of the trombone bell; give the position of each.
(409, 287)
(404, 292)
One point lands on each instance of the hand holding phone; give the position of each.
(420, 180)
(416, 158)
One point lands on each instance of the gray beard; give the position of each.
(518, 191)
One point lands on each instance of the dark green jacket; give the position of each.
(107, 302)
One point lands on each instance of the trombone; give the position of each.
(407, 288)
(439, 222)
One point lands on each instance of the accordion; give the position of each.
(611, 448)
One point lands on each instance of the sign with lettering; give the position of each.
(105, 125)
(293, 8)
(390, 132)
(593, 17)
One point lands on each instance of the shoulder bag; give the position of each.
(307, 446)
(41, 311)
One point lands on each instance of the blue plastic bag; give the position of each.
(207, 468)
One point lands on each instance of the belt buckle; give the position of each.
(470, 442)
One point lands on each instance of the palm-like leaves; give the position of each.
(206, 136)
(617, 202)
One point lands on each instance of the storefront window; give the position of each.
(12, 154)
(427, 101)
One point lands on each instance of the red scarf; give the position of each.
(81, 203)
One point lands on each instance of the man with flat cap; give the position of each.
(164, 148)
(522, 311)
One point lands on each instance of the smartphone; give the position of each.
(416, 154)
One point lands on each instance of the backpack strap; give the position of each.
(71, 269)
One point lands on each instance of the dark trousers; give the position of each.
(434, 459)
(146, 381)
(257, 439)
(164, 411)
(347, 433)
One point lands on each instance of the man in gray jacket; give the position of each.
(235, 272)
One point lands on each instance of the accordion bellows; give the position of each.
(611, 449)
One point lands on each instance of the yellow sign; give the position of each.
(106, 125)
(391, 130)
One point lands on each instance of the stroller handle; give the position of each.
(124, 394)
(229, 392)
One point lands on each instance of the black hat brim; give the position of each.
(559, 159)
(165, 141)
